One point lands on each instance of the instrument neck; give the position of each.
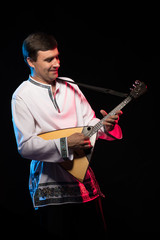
(113, 112)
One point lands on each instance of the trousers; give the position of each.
(73, 221)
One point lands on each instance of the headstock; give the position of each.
(139, 89)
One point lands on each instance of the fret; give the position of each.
(100, 123)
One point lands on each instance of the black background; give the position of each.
(127, 170)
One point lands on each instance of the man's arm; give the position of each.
(29, 144)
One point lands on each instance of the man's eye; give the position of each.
(49, 60)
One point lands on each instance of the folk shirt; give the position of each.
(35, 110)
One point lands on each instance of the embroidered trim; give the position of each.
(63, 146)
(62, 183)
(53, 100)
(66, 192)
(49, 92)
(38, 84)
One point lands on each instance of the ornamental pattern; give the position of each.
(66, 192)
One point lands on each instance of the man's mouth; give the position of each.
(54, 69)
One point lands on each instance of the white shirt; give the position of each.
(36, 110)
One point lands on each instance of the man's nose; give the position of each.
(56, 63)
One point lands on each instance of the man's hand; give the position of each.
(110, 122)
(78, 141)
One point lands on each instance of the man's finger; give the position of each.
(104, 113)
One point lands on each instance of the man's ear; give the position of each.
(30, 62)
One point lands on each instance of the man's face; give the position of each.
(46, 67)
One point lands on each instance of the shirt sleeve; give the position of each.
(28, 143)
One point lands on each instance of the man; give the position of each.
(45, 103)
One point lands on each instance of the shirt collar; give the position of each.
(43, 85)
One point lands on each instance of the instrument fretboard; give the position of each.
(113, 112)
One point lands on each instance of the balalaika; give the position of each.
(80, 163)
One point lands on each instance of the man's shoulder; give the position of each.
(66, 79)
(71, 82)
(21, 89)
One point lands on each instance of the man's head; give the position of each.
(41, 54)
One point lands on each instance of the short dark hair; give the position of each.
(37, 42)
